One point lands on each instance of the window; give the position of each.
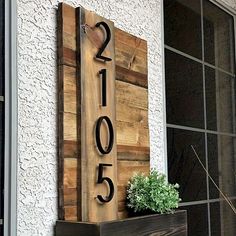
(2, 36)
(200, 108)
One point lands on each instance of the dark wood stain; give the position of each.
(152, 225)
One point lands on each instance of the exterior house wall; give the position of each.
(37, 98)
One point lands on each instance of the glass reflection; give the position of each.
(220, 101)
(184, 89)
(223, 220)
(183, 166)
(197, 219)
(218, 37)
(221, 164)
(182, 21)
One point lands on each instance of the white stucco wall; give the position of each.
(37, 99)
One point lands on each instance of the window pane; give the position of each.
(1, 108)
(221, 164)
(1, 159)
(220, 101)
(197, 220)
(223, 220)
(183, 166)
(1, 46)
(184, 91)
(215, 219)
(218, 37)
(183, 26)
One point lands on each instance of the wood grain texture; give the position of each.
(151, 225)
(130, 117)
(68, 153)
(133, 148)
(89, 40)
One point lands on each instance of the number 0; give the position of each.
(111, 135)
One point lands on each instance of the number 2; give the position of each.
(105, 43)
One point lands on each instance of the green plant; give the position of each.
(152, 193)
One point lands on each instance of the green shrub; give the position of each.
(152, 193)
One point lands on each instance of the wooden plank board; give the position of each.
(131, 58)
(133, 148)
(126, 169)
(68, 161)
(88, 42)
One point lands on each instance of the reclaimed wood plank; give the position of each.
(70, 213)
(67, 112)
(70, 100)
(131, 58)
(70, 149)
(70, 196)
(67, 16)
(126, 169)
(88, 43)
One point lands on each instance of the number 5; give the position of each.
(109, 181)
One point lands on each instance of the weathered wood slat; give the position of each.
(70, 213)
(87, 41)
(70, 149)
(70, 196)
(127, 169)
(131, 58)
(67, 113)
(130, 76)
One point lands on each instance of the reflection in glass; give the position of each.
(218, 37)
(182, 21)
(1, 158)
(221, 164)
(2, 58)
(220, 100)
(184, 89)
(1, 47)
(197, 219)
(223, 220)
(183, 166)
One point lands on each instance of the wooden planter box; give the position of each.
(155, 225)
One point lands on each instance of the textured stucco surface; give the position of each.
(37, 180)
(37, 192)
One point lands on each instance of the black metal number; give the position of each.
(103, 72)
(101, 179)
(107, 40)
(111, 135)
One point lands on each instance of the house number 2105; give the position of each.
(104, 151)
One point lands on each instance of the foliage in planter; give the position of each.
(152, 193)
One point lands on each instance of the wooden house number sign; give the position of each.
(103, 137)
(98, 144)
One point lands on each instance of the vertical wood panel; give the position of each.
(89, 40)
(133, 150)
(68, 160)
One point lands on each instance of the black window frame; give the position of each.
(197, 129)
(2, 85)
